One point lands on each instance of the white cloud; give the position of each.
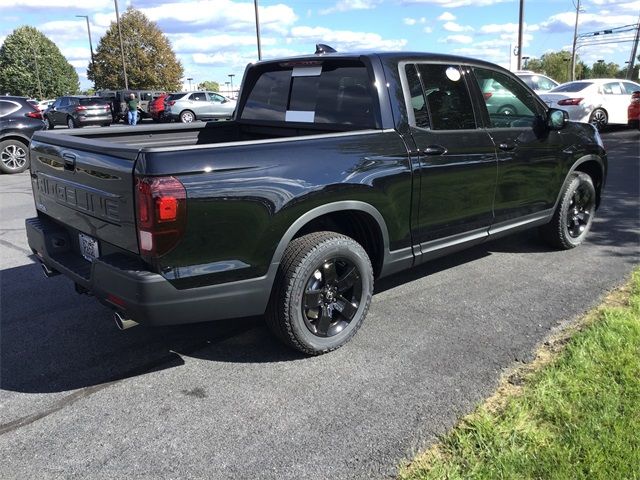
(76, 53)
(447, 17)
(221, 15)
(186, 43)
(346, 40)
(347, 5)
(454, 27)
(506, 28)
(454, 3)
(48, 4)
(565, 22)
(464, 39)
(409, 21)
(427, 30)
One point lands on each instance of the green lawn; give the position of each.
(574, 415)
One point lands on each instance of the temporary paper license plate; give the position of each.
(89, 247)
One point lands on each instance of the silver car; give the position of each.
(187, 107)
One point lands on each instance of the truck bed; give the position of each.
(178, 135)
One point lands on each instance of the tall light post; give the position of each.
(86, 17)
(520, 29)
(255, 5)
(231, 75)
(526, 62)
(575, 40)
(124, 66)
(189, 80)
(227, 84)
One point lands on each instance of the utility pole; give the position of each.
(124, 66)
(575, 40)
(634, 50)
(86, 17)
(520, 28)
(255, 5)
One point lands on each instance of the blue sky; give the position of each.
(215, 38)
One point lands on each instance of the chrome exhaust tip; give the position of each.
(123, 323)
(49, 272)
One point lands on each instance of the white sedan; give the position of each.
(600, 101)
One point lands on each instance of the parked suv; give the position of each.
(19, 119)
(118, 100)
(538, 82)
(78, 111)
(187, 107)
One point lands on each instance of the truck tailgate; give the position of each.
(86, 188)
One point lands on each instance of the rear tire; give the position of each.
(14, 156)
(187, 116)
(574, 215)
(322, 292)
(71, 123)
(599, 118)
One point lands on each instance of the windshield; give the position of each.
(572, 87)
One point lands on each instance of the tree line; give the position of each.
(32, 65)
(557, 65)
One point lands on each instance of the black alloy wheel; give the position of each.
(332, 296)
(322, 292)
(599, 118)
(574, 215)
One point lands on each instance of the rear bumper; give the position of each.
(94, 120)
(123, 283)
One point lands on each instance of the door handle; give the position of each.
(434, 150)
(69, 161)
(507, 147)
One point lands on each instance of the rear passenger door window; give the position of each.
(446, 97)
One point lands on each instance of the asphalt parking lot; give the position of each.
(79, 398)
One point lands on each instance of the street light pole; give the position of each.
(124, 67)
(231, 75)
(575, 40)
(189, 80)
(86, 17)
(255, 5)
(520, 28)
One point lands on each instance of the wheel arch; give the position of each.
(595, 167)
(358, 220)
(15, 136)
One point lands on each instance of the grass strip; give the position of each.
(573, 413)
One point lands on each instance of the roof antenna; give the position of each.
(321, 49)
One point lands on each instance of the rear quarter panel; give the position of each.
(242, 199)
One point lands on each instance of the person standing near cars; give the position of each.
(132, 113)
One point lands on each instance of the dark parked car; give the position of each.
(18, 120)
(118, 100)
(78, 111)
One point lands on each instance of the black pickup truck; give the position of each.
(336, 169)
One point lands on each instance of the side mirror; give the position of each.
(557, 119)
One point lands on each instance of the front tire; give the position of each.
(50, 125)
(14, 156)
(574, 215)
(322, 292)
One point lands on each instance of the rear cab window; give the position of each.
(335, 92)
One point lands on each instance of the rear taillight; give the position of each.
(570, 101)
(79, 108)
(171, 103)
(487, 95)
(161, 214)
(35, 114)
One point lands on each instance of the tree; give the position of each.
(209, 85)
(31, 65)
(150, 61)
(604, 70)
